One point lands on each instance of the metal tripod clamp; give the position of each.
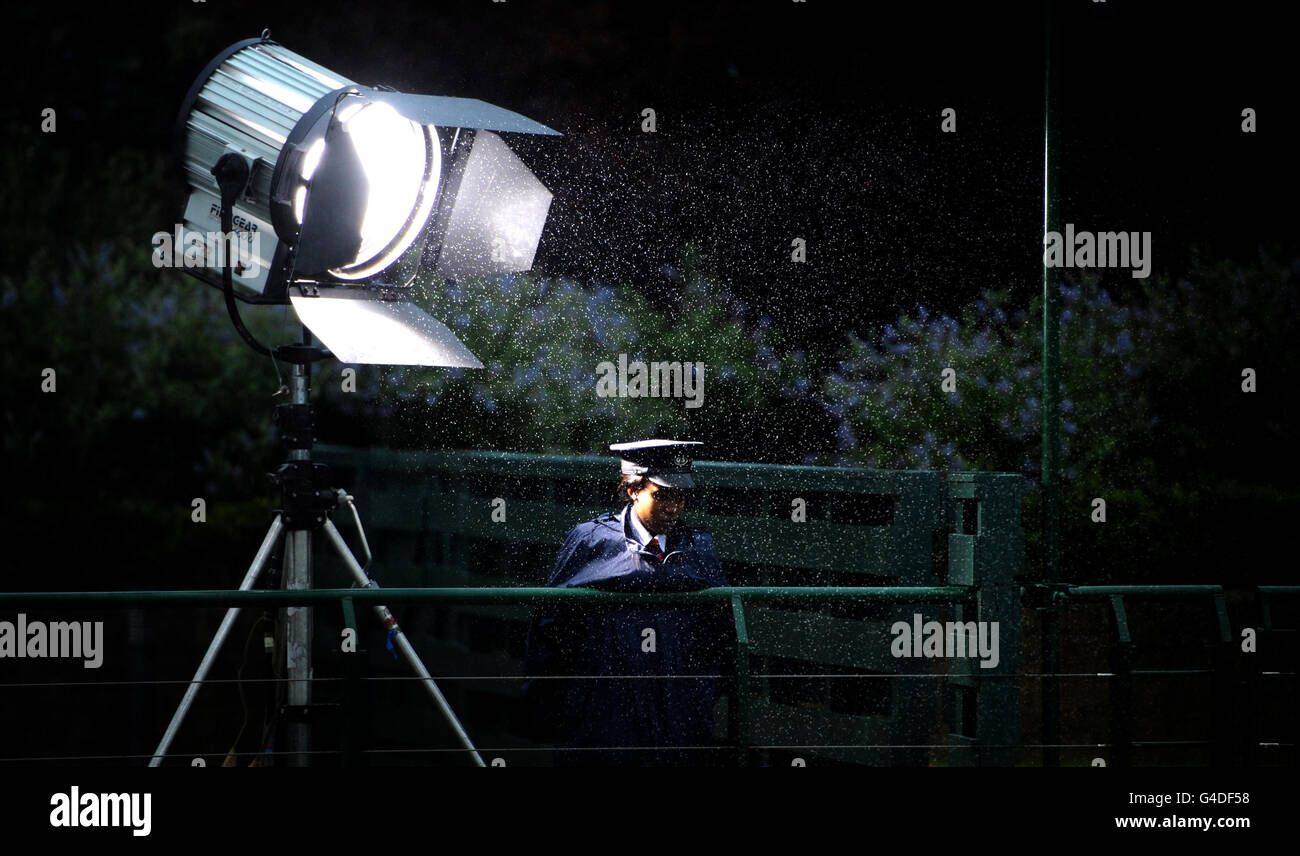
(1039, 595)
(306, 498)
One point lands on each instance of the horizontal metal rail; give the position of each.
(801, 595)
(1145, 591)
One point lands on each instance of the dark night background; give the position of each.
(775, 114)
(775, 120)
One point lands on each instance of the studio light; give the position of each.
(352, 195)
(342, 197)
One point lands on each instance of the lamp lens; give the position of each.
(402, 162)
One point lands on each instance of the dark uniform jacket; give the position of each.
(631, 718)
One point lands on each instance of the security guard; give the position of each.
(656, 705)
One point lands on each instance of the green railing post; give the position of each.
(740, 709)
(1285, 642)
(1121, 685)
(351, 689)
(999, 560)
(1225, 744)
(1251, 673)
(985, 551)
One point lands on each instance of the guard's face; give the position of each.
(658, 508)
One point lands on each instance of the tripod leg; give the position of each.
(297, 645)
(259, 561)
(402, 643)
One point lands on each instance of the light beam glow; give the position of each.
(402, 161)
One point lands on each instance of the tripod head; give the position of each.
(306, 495)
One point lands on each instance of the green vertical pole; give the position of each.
(740, 712)
(1051, 436)
(1122, 656)
(1225, 730)
(351, 691)
(998, 561)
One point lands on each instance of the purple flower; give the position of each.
(845, 439)
(1123, 343)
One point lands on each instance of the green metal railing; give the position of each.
(813, 600)
(1236, 689)
(1236, 693)
(347, 600)
(431, 515)
(814, 593)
